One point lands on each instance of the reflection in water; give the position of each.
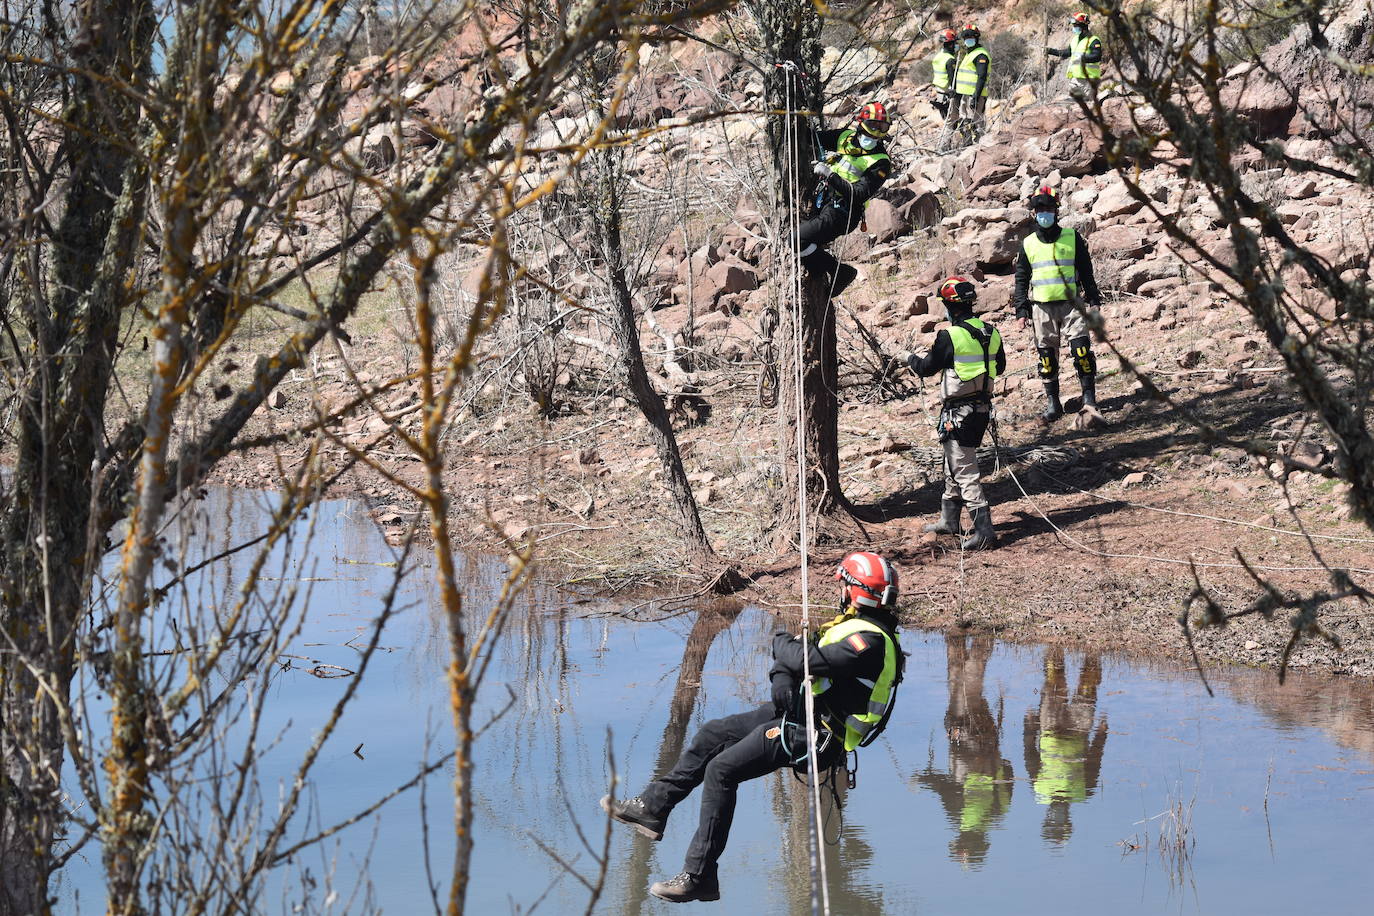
(710, 623)
(1063, 749)
(976, 791)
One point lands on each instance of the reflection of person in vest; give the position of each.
(971, 80)
(969, 356)
(855, 663)
(1054, 289)
(976, 791)
(855, 167)
(1085, 58)
(1063, 746)
(942, 68)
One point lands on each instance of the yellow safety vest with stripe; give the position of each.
(966, 77)
(974, 369)
(1078, 70)
(851, 167)
(1053, 275)
(1062, 775)
(939, 72)
(858, 726)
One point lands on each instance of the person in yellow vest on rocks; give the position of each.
(1085, 58)
(971, 79)
(1054, 287)
(969, 356)
(942, 68)
(856, 663)
(853, 170)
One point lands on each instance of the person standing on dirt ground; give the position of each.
(976, 792)
(942, 68)
(969, 356)
(856, 663)
(1054, 281)
(1063, 746)
(971, 82)
(1085, 58)
(853, 169)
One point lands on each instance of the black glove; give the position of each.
(784, 694)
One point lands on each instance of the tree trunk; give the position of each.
(790, 32)
(44, 555)
(630, 358)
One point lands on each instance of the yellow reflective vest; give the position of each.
(1078, 70)
(939, 69)
(974, 370)
(1053, 275)
(849, 167)
(966, 77)
(859, 725)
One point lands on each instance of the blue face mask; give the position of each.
(867, 142)
(970, 42)
(1045, 220)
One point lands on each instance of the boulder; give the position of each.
(923, 211)
(1122, 242)
(1072, 151)
(1268, 104)
(885, 222)
(725, 277)
(1114, 202)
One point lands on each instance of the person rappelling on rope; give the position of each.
(969, 356)
(855, 662)
(854, 167)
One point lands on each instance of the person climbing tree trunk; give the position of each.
(790, 32)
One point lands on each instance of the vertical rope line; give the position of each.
(820, 903)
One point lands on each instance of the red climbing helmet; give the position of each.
(872, 119)
(971, 30)
(1044, 198)
(958, 291)
(1080, 19)
(869, 580)
(948, 37)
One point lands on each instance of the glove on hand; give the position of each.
(821, 169)
(913, 360)
(784, 693)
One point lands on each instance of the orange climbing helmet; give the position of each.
(869, 580)
(1044, 198)
(958, 291)
(947, 37)
(872, 119)
(1080, 19)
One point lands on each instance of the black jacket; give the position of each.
(853, 196)
(857, 656)
(1082, 263)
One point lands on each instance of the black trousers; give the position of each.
(723, 754)
(822, 229)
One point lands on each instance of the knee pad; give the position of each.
(1049, 362)
(1083, 360)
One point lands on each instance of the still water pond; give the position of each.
(1011, 779)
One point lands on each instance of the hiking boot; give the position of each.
(634, 812)
(983, 534)
(1053, 409)
(686, 887)
(844, 275)
(949, 518)
(1089, 383)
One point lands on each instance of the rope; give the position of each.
(820, 884)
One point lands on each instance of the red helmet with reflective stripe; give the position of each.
(1044, 198)
(869, 580)
(958, 291)
(1080, 19)
(948, 37)
(971, 30)
(872, 119)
